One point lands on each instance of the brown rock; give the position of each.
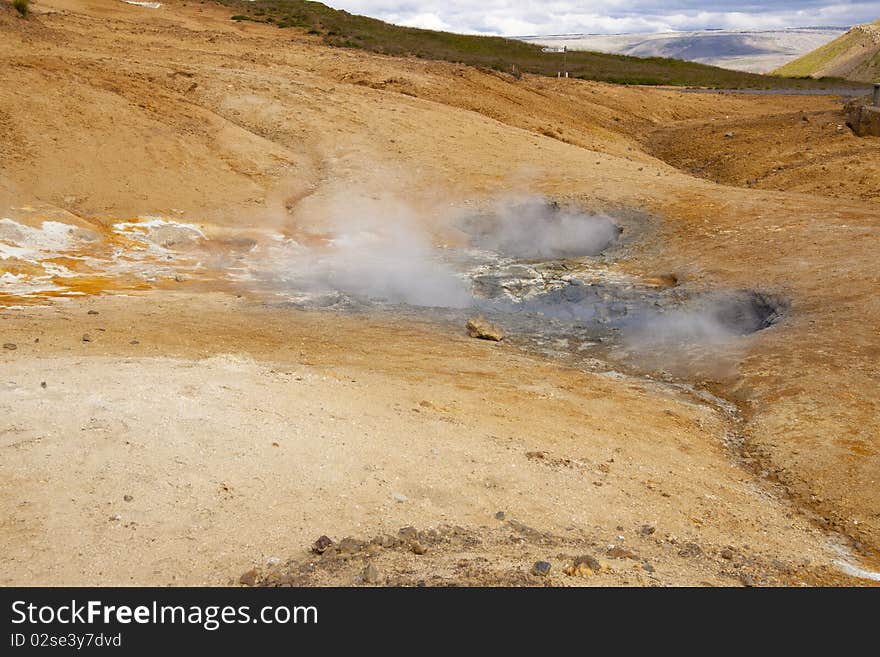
(349, 545)
(249, 578)
(408, 533)
(320, 546)
(583, 566)
(618, 552)
(482, 329)
(690, 550)
(371, 574)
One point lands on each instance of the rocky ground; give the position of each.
(169, 418)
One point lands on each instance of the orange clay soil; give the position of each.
(242, 431)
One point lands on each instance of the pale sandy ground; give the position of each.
(104, 123)
(243, 433)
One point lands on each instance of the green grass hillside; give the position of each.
(854, 56)
(342, 29)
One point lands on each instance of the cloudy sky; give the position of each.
(536, 17)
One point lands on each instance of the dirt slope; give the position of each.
(235, 128)
(854, 56)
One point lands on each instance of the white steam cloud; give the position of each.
(381, 249)
(535, 229)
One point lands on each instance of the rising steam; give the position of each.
(535, 229)
(378, 248)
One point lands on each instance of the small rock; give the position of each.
(418, 548)
(727, 553)
(399, 497)
(647, 530)
(780, 566)
(748, 579)
(541, 568)
(93, 312)
(249, 578)
(349, 545)
(371, 574)
(43, 384)
(617, 552)
(10, 345)
(482, 329)
(729, 135)
(134, 342)
(273, 561)
(584, 566)
(321, 545)
(127, 498)
(116, 517)
(589, 561)
(499, 515)
(87, 338)
(690, 550)
(647, 567)
(408, 533)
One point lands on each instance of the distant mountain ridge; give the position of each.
(755, 51)
(855, 56)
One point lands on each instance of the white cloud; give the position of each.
(533, 17)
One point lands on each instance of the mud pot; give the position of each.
(547, 277)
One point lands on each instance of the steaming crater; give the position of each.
(541, 272)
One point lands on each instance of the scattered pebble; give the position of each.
(93, 312)
(127, 498)
(408, 533)
(43, 384)
(583, 566)
(87, 338)
(371, 574)
(418, 548)
(321, 545)
(541, 568)
(349, 545)
(499, 515)
(618, 552)
(399, 497)
(10, 345)
(690, 550)
(249, 578)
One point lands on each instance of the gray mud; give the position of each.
(531, 279)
